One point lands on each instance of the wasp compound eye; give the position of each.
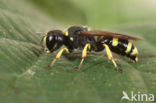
(54, 40)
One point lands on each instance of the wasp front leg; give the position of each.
(110, 57)
(46, 50)
(84, 54)
(58, 57)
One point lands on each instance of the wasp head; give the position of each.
(53, 40)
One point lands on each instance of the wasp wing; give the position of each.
(107, 34)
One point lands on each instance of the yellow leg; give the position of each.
(84, 54)
(110, 57)
(46, 50)
(58, 56)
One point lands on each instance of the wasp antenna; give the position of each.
(40, 33)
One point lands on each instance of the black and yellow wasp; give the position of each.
(79, 37)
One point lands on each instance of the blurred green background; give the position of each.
(99, 13)
(23, 77)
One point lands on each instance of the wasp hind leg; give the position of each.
(84, 54)
(57, 57)
(110, 57)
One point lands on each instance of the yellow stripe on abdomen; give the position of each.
(115, 42)
(135, 51)
(129, 47)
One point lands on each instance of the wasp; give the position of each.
(81, 38)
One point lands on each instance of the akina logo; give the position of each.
(137, 96)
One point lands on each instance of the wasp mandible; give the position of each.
(80, 37)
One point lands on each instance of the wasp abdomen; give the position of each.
(122, 47)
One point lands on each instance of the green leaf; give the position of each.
(23, 77)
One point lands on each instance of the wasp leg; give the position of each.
(84, 54)
(46, 50)
(110, 57)
(58, 57)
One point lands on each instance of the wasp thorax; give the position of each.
(74, 29)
